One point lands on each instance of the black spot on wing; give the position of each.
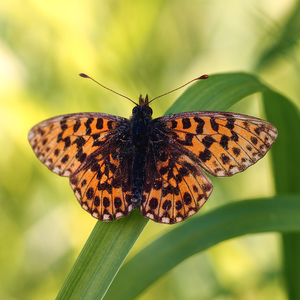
(230, 123)
(224, 142)
(87, 124)
(76, 126)
(186, 123)
(205, 155)
(208, 141)
(200, 125)
(99, 124)
(214, 124)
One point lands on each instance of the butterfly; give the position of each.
(116, 165)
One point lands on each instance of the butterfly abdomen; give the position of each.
(140, 137)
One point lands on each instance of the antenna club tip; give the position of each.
(83, 75)
(203, 77)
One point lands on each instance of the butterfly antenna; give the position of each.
(198, 78)
(86, 76)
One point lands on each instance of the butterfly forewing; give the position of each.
(224, 143)
(63, 143)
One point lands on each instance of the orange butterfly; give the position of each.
(116, 164)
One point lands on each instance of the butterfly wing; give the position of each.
(63, 143)
(175, 186)
(103, 187)
(223, 143)
(91, 149)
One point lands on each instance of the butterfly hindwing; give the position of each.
(175, 186)
(224, 143)
(103, 188)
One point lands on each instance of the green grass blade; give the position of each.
(286, 163)
(101, 258)
(280, 213)
(291, 263)
(285, 152)
(285, 41)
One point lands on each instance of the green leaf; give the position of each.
(101, 257)
(285, 152)
(280, 213)
(286, 162)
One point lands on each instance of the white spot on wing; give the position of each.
(30, 135)
(106, 217)
(201, 202)
(234, 170)
(191, 212)
(95, 215)
(165, 220)
(67, 173)
(150, 216)
(56, 170)
(77, 195)
(247, 163)
(178, 219)
(47, 163)
(119, 215)
(220, 173)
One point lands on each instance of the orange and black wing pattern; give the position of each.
(86, 148)
(223, 143)
(111, 160)
(175, 186)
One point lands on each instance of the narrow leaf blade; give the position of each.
(280, 213)
(286, 161)
(101, 257)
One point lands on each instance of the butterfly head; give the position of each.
(143, 109)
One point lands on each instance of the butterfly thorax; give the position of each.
(139, 123)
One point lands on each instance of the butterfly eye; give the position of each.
(148, 110)
(135, 110)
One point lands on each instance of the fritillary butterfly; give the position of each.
(116, 164)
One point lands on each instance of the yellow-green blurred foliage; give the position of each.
(133, 47)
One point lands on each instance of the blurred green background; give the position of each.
(132, 47)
